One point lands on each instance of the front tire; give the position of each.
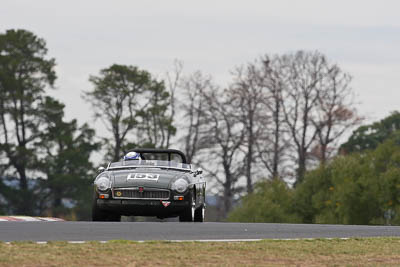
(188, 214)
(199, 214)
(97, 214)
(100, 216)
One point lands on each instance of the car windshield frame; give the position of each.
(160, 164)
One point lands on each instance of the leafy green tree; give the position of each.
(360, 188)
(271, 201)
(127, 99)
(65, 163)
(336, 193)
(155, 127)
(115, 100)
(313, 191)
(25, 72)
(370, 136)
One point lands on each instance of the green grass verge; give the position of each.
(319, 252)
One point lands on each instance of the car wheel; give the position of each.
(188, 214)
(97, 214)
(101, 216)
(199, 214)
(114, 218)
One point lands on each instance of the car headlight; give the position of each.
(103, 183)
(180, 185)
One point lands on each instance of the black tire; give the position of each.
(188, 214)
(113, 218)
(199, 214)
(101, 216)
(97, 214)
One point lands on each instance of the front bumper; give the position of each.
(139, 207)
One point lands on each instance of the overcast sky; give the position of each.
(362, 36)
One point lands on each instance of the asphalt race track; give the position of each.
(140, 231)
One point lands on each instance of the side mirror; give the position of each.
(100, 169)
(198, 171)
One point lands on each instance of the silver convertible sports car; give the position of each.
(150, 182)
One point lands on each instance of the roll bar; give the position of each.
(160, 151)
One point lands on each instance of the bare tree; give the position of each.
(317, 103)
(225, 135)
(277, 108)
(247, 94)
(336, 112)
(173, 79)
(273, 143)
(303, 73)
(192, 88)
(275, 129)
(257, 92)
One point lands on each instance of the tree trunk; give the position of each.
(25, 206)
(56, 202)
(323, 154)
(117, 150)
(227, 198)
(250, 159)
(227, 190)
(275, 163)
(301, 171)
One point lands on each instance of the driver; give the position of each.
(132, 156)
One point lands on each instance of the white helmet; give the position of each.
(132, 155)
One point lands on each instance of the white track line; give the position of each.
(201, 240)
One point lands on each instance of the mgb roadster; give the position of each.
(150, 182)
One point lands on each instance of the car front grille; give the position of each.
(134, 193)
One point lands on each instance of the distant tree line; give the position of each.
(280, 119)
(280, 116)
(362, 187)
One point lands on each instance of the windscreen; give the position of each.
(161, 156)
(150, 163)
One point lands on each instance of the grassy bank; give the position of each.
(357, 252)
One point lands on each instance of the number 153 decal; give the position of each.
(143, 176)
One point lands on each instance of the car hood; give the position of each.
(164, 178)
